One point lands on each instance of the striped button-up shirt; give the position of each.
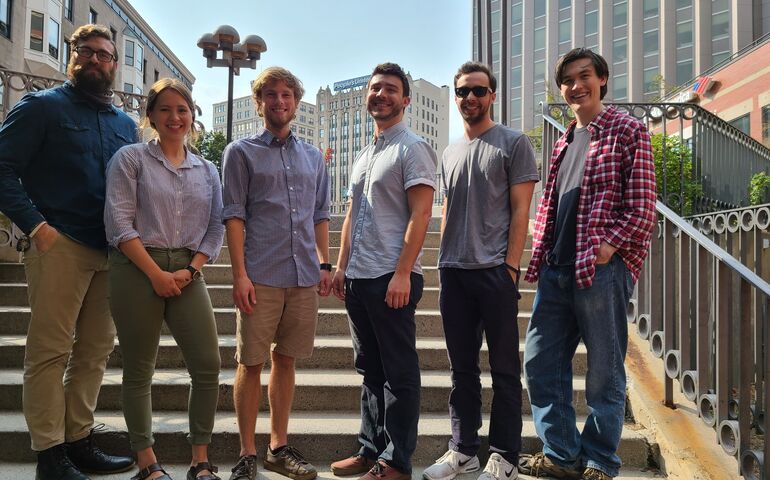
(281, 190)
(617, 197)
(164, 206)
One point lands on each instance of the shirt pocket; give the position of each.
(197, 198)
(75, 137)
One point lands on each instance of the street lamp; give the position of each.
(235, 55)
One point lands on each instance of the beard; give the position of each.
(395, 111)
(90, 78)
(475, 118)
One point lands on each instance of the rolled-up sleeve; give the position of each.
(419, 166)
(120, 204)
(321, 212)
(235, 175)
(211, 243)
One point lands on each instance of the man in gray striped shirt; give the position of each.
(276, 211)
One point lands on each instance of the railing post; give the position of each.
(723, 342)
(669, 289)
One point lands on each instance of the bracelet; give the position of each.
(512, 268)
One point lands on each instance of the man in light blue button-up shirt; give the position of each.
(276, 211)
(380, 279)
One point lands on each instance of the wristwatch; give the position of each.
(326, 266)
(194, 271)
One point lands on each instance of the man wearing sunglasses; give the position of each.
(488, 178)
(54, 149)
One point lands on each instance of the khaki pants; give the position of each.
(70, 337)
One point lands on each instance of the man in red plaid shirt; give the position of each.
(592, 234)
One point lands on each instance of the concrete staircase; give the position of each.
(325, 419)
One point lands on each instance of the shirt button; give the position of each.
(293, 209)
(291, 188)
(295, 232)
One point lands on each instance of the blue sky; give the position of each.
(320, 41)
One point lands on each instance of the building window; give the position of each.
(620, 50)
(516, 77)
(720, 24)
(742, 123)
(139, 56)
(766, 125)
(5, 18)
(539, 9)
(129, 55)
(651, 81)
(564, 4)
(539, 71)
(516, 45)
(565, 30)
(68, 9)
(620, 87)
(36, 32)
(128, 88)
(650, 8)
(156, 76)
(592, 22)
(683, 71)
(620, 14)
(540, 38)
(92, 15)
(683, 3)
(53, 38)
(650, 42)
(516, 13)
(684, 34)
(114, 34)
(66, 54)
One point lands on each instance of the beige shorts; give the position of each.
(283, 317)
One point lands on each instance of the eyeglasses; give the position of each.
(101, 55)
(478, 92)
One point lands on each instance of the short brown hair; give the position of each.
(273, 74)
(394, 69)
(599, 63)
(471, 67)
(84, 32)
(152, 97)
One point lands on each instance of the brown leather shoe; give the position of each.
(383, 471)
(355, 465)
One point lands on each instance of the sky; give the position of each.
(321, 42)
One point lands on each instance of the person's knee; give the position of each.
(281, 361)
(250, 371)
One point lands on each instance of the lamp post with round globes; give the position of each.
(235, 55)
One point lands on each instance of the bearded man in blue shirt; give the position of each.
(54, 149)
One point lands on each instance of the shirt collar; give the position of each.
(596, 125)
(267, 136)
(389, 133)
(191, 160)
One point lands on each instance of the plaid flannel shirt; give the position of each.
(617, 197)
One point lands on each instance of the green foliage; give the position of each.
(210, 146)
(759, 189)
(536, 137)
(678, 164)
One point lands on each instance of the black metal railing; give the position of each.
(703, 163)
(14, 84)
(706, 315)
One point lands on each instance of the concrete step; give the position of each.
(316, 390)
(331, 321)
(27, 470)
(322, 437)
(331, 352)
(15, 295)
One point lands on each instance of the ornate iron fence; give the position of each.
(723, 159)
(706, 315)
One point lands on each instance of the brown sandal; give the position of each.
(193, 472)
(149, 470)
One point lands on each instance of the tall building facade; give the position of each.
(33, 36)
(246, 120)
(649, 44)
(345, 127)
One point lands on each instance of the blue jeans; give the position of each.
(384, 345)
(563, 315)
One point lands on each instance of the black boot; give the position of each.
(88, 457)
(53, 464)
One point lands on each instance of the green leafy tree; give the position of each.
(677, 166)
(759, 189)
(210, 146)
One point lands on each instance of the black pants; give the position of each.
(474, 302)
(386, 355)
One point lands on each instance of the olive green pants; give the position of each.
(139, 314)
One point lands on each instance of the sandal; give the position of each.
(193, 472)
(149, 470)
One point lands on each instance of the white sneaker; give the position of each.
(450, 465)
(499, 468)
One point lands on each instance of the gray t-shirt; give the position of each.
(477, 175)
(568, 181)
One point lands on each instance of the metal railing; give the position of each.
(14, 84)
(706, 315)
(707, 164)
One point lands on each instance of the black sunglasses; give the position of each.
(478, 92)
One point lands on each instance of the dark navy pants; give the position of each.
(473, 303)
(384, 343)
